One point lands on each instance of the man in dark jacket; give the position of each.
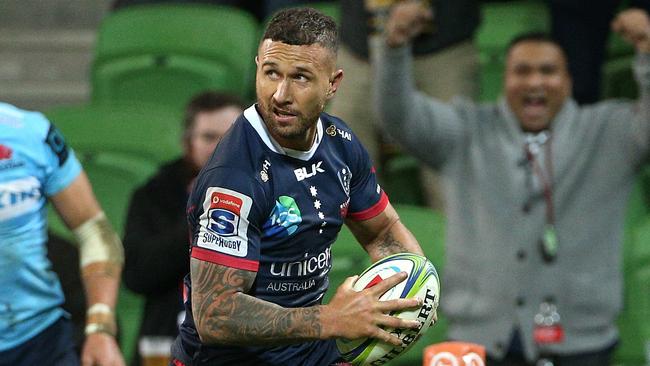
(155, 261)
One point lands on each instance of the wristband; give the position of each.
(92, 328)
(99, 308)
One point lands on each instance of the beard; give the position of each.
(294, 131)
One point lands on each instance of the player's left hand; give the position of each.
(101, 350)
(634, 26)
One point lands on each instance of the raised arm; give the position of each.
(101, 262)
(634, 26)
(225, 314)
(426, 127)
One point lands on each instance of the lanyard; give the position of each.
(549, 242)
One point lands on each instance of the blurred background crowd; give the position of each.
(116, 78)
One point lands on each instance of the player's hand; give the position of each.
(406, 20)
(359, 314)
(101, 350)
(634, 26)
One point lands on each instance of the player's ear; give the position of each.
(335, 81)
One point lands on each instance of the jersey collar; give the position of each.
(253, 117)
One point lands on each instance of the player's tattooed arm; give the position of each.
(387, 245)
(225, 314)
(384, 235)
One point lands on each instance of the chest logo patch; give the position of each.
(284, 219)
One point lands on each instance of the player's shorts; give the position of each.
(53, 347)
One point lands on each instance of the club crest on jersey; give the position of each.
(284, 219)
(345, 177)
(224, 222)
(304, 173)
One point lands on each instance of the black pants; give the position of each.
(52, 347)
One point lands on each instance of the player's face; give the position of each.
(537, 83)
(208, 129)
(293, 83)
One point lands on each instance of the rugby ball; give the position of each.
(422, 282)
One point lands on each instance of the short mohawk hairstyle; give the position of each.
(303, 27)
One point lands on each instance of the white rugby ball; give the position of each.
(422, 282)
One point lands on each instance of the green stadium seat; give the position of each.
(401, 180)
(502, 21)
(349, 258)
(166, 53)
(146, 132)
(618, 78)
(113, 178)
(634, 321)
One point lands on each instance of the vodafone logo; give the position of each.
(449, 359)
(226, 201)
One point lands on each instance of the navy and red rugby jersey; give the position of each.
(259, 207)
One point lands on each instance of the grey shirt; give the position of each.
(495, 277)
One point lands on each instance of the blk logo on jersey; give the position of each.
(304, 173)
(224, 222)
(284, 219)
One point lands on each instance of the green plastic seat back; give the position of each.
(149, 132)
(166, 53)
(634, 320)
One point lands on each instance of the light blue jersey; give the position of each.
(35, 163)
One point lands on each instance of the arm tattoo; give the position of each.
(225, 314)
(387, 245)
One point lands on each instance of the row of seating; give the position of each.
(165, 53)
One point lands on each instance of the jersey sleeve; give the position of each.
(225, 217)
(61, 164)
(367, 198)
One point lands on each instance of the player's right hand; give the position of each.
(360, 314)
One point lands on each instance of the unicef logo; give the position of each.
(284, 219)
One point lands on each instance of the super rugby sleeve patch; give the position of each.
(223, 226)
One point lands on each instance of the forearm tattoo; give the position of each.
(226, 315)
(387, 245)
